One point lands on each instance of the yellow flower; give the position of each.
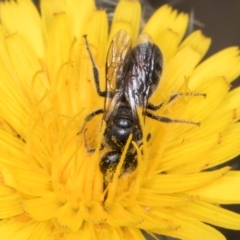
(52, 188)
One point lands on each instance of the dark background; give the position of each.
(218, 19)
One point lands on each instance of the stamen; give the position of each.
(112, 186)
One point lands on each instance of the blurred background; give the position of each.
(219, 20)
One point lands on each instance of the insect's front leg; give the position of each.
(173, 96)
(94, 69)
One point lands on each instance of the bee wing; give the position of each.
(145, 68)
(117, 57)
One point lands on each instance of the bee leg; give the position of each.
(89, 118)
(173, 96)
(21, 138)
(169, 120)
(94, 69)
(147, 140)
(105, 184)
(148, 137)
(89, 150)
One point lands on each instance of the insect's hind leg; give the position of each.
(89, 150)
(173, 96)
(95, 69)
(169, 120)
(89, 118)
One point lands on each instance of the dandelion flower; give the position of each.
(52, 188)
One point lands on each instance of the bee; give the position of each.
(133, 72)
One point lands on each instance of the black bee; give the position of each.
(132, 75)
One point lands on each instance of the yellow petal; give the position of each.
(151, 199)
(214, 125)
(224, 63)
(49, 9)
(69, 216)
(198, 42)
(167, 34)
(211, 214)
(168, 43)
(195, 108)
(25, 14)
(17, 108)
(41, 209)
(10, 205)
(176, 71)
(59, 41)
(220, 190)
(185, 153)
(188, 228)
(41, 231)
(12, 153)
(157, 23)
(80, 18)
(117, 216)
(51, 184)
(26, 181)
(231, 102)
(26, 66)
(127, 16)
(97, 30)
(227, 147)
(8, 229)
(168, 183)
